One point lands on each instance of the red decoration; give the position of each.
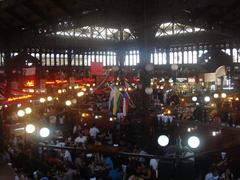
(96, 68)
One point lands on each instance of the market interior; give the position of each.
(129, 90)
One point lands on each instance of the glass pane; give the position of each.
(151, 59)
(80, 59)
(160, 60)
(57, 60)
(37, 55)
(85, 59)
(104, 59)
(235, 54)
(62, 60)
(228, 51)
(48, 63)
(66, 60)
(52, 60)
(43, 60)
(114, 59)
(138, 59)
(180, 57)
(101, 58)
(185, 57)
(126, 60)
(194, 57)
(135, 59)
(175, 58)
(89, 60)
(164, 58)
(200, 53)
(156, 60)
(171, 57)
(190, 57)
(108, 58)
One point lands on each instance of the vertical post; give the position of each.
(8, 72)
(146, 33)
(1, 130)
(69, 53)
(120, 57)
(69, 56)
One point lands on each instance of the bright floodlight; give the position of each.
(28, 110)
(163, 140)
(21, 113)
(80, 94)
(194, 142)
(148, 90)
(74, 101)
(49, 98)
(223, 95)
(30, 128)
(194, 98)
(44, 132)
(42, 100)
(216, 95)
(68, 103)
(207, 99)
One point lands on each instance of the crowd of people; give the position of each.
(66, 153)
(61, 162)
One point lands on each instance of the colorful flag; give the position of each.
(125, 103)
(117, 94)
(110, 101)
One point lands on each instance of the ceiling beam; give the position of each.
(16, 16)
(10, 4)
(61, 6)
(6, 23)
(31, 6)
(59, 42)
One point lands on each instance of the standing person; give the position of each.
(227, 175)
(94, 131)
(6, 172)
(213, 174)
(76, 130)
(80, 140)
(114, 174)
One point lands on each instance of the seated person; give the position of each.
(80, 140)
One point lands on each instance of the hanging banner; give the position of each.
(221, 71)
(210, 77)
(29, 71)
(29, 75)
(96, 68)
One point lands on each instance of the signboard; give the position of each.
(210, 77)
(191, 80)
(182, 80)
(71, 81)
